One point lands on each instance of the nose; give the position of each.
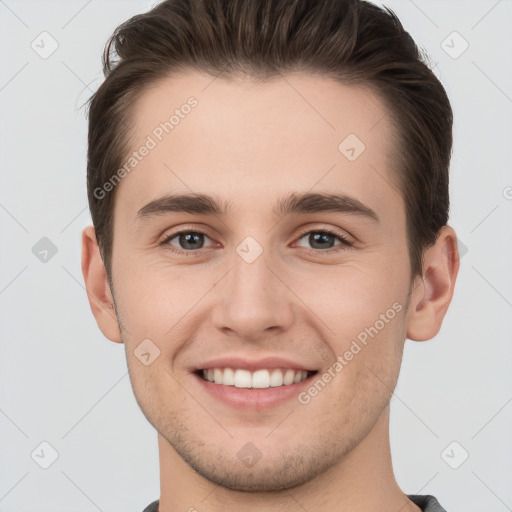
(253, 300)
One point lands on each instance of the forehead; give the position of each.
(239, 139)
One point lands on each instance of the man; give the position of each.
(268, 183)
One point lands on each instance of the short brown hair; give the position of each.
(352, 41)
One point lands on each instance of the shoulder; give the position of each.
(153, 507)
(426, 502)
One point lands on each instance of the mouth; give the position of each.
(258, 379)
(250, 384)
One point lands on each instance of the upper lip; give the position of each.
(246, 363)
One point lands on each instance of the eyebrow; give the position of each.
(294, 203)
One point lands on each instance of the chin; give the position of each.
(263, 473)
(273, 477)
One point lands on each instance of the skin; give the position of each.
(251, 144)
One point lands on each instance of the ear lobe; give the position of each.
(433, 292)
(97, 286)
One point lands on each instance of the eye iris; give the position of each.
(316, 237)
(187, 238)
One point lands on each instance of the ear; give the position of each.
(98, 290)
(432, 293)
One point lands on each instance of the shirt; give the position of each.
(426, 502)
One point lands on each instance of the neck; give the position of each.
(362, 482)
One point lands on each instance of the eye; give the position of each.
(191, 241)
(323, 238)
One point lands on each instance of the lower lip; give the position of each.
(254, 398)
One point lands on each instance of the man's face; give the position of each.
(254, 286)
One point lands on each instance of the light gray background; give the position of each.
(63, 383)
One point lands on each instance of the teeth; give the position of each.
(242, 379)
(288, 377)
(228, 378)
(218, 375)
(259, 379)
(276, 378)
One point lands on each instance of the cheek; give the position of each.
(153, 300)
(351, 298)
(363, 317)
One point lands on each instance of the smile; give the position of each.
(260, 379)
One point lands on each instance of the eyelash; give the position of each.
(340, 247)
